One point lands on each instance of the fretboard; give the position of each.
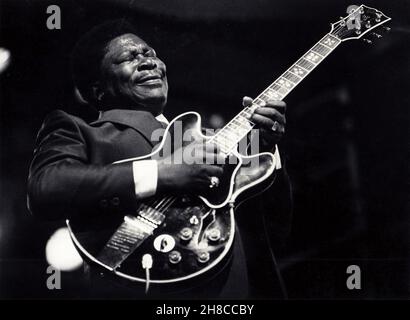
(230, 135)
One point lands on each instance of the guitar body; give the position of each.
(197, 233)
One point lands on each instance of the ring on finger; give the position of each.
(275, 126)
(214, 183)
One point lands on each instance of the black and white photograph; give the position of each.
(208, 150)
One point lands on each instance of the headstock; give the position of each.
(360, 20)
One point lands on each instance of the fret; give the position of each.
(305, 64)
(221, 139)
(244, 117)
(330, 41)
(239, 125)
(232, 134)
(246, 124)
(243, 126)
(272, 94)
(313, 57)
(321, 49)
(257, 100)
(299, 70)
(265, 96)
(323, 44)
(286, 83)
(226, 138)
(276, 87)
(313, 52)
(233, 123)
(241, 130)
(292, 77)
(238, 131)
(245, 114)
(222, 144)
(229, 136)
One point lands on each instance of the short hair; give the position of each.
(87, 55)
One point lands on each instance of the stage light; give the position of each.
(216, 121)
(5, 58)
(61, 253)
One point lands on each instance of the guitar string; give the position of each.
(239, 118)
(163, 204)
(167, 204)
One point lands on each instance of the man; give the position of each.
(72, 172)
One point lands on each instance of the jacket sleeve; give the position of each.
(62, 183)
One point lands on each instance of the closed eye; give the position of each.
(150, 53)
(130, 56)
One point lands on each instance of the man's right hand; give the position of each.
(200, 162)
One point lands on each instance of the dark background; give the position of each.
(347, 142)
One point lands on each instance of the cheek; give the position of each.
(166, 83)
(124, 73)
(120, 79)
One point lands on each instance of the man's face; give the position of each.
(133, 75)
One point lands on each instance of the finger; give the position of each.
(270, 136)
(267, 124)
(247, 101)
(212, 171)
(277, 104)
(267, 116)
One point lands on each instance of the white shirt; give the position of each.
(145, 172)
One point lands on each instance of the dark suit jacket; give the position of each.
(72, 174)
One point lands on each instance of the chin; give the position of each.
(154, 104)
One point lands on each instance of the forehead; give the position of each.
(125, 41)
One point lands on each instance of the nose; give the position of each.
(147, 64)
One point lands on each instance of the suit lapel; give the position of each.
(142, 121)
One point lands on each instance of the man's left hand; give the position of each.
(270, 119)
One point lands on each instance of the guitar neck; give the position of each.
(230, 135)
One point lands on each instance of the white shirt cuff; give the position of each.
(145, 174)
(277, 157)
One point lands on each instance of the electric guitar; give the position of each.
(171, 240)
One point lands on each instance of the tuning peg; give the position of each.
(367, 41)
(387, 29)
(374, 34)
